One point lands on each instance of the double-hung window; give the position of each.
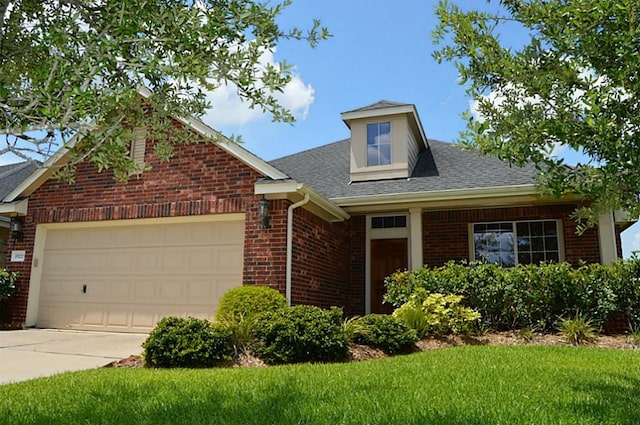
(521, 242)
(379, 143)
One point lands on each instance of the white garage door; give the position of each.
(126, 278)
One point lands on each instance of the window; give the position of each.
(379, 143)
(389, 222)
(512, 243)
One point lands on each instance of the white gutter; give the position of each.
(290, 243)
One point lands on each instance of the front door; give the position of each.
(387, 256)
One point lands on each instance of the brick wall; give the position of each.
(446, 233)
(200, 179)
(358, 266)
(320, 261)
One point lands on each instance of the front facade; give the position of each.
(105, 255)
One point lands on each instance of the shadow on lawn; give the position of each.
(614, 399)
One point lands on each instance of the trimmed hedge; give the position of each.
(7, 283)
(244, 301)
(179, 342)
(299, 334)
(529, 296)
(385, 332)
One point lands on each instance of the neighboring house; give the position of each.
(10, 177)
(104, 255)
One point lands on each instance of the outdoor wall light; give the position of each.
(16, 228)
(263, 213)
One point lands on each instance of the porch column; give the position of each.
(607, 238)
(415, 238)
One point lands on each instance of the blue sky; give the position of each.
(379, 50)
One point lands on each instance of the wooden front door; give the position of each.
(387, 256)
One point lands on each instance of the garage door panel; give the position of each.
(135, 275)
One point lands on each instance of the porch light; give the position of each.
(16, 228)
(263, 213)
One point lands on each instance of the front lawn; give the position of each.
(462, 385)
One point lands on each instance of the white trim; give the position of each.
(291, 187)
(440, 195)
(35, 282)
(416, 251)
(15, 208)
(290, 244)
(607, 238)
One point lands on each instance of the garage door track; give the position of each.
(33, 353)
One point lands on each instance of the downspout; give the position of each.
(290, 242)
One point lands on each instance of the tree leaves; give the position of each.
(575, 83)
(73, 68)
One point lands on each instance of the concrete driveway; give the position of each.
(33, 353)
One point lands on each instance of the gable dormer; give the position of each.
(386, 138)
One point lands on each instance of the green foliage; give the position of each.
(245, 301)
(7, 283)
(574, 82)
(178, 342)
(298, 334)
(533, 296)
(385, 332)
(353, 326)
(577, 331)
(436, 314)
(70, 67)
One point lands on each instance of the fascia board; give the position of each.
(234, 149)
(441, 195)
(380, 112)
(290, 187)
(40, 174)
(14, 208)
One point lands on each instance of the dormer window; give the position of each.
(378, 144)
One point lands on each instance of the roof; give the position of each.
(381, 104)
(444, 166)
(12, 175)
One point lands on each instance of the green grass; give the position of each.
(464, 385)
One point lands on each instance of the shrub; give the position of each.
(436, 314)
(300, 334)
(7, 283)
(245, 301)
(387, 333)
(178, 342)
(533, 296)
(577, 331)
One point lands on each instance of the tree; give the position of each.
(575, 84)
(74, 68)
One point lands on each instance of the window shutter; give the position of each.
(137, 151)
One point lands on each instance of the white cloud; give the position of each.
(229, 110)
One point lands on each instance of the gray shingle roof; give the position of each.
(381, 104)
(445, 166)
(12, 175)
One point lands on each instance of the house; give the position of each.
(323, 226)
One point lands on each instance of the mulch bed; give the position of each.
(363, 352)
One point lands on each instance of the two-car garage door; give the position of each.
(124, 278)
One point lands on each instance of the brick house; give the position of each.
(323, 226)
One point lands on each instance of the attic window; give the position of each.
(378, 144)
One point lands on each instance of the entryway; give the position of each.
(387, 256)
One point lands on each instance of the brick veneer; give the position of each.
(446, 233)
(200, 179)
(320, 262)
